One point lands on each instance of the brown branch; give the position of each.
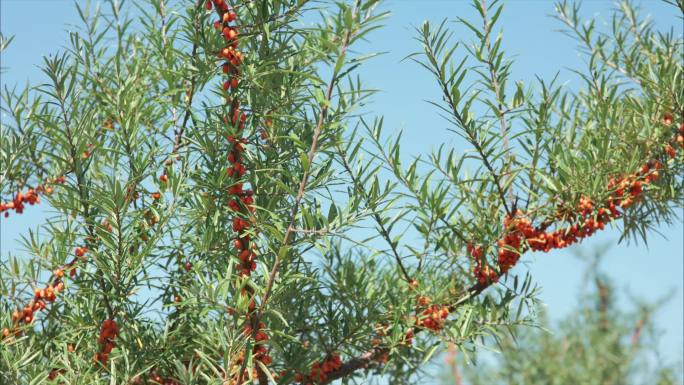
(383, 230)
(498, 92)
(361, 362)
(471, 135)
(83, 201)
(305, 177)
(191, 93)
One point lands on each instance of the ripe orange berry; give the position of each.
(231, 34)
(670, 151)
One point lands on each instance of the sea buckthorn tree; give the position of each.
(598, 342)
(223, 209)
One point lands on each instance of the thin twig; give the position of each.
(383, 230)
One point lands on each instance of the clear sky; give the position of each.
(530, 35)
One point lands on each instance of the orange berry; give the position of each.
(670, 151)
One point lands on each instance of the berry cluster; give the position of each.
(482, 271)
(43, 296)
(242, 200)
(31, 197)
(39, 302)
(585, 220)
(430, 316)
(320, 370)
(260, 351)
(108, 333)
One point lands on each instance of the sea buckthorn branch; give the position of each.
(520, 236)
(569, 17)
(468, 125)
(322, 116)
(241, 202)
(42, 297)
(55, 285)
(245, 28)
(349, 35)
(586, 219)
(374, 134)
(545, 226)
(79, 171)
(179, 132)
(376, 216)
(497, 69)
(21, 160)
(319, 370)
(31, 196)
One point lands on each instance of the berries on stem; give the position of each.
(31, 197)
(108, 333)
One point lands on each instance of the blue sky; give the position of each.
(530, 36)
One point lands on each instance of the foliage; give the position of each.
(223, 212)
